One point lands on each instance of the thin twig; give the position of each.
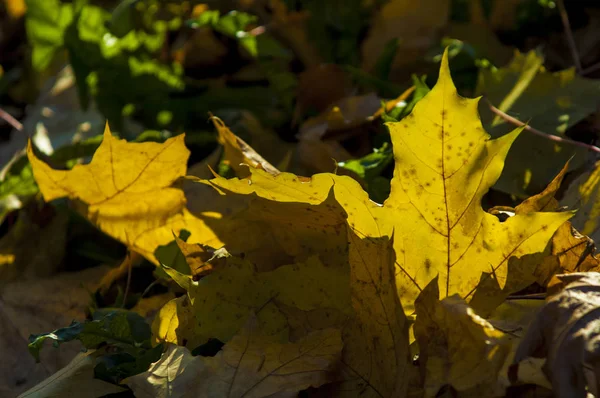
(565, 20)
(591, 69)
(550, 137)
(534, 296)
(129, 266)
(150, 286)
(7, 117)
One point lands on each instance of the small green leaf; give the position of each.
(369, 168)
(112, 326)
(421, 89)
(46, 22)
(232, 24)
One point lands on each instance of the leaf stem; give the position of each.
(129, 266)
(7, 117)
(572, 46)
(591, 69)
(550, 137)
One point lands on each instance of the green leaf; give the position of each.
(421, 89)
(114, 367)
(232, 24)
(369, 168)
(46, 22)
(171, 256)
(122, 69)
(16, 186)
(112, 326)
(548, 101)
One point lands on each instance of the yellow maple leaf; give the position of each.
(127, 191)
(250, 365)
(569, 250)
(445, 163)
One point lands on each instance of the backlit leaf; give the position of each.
(126, 190)
(444, 165)
(549, 102)
(108, 326)
(238, 154)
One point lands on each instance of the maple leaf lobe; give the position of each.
(445, 163)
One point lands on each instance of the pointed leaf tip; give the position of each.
(107, 130)
(444, 75)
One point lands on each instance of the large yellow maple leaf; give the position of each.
(444, 164)
(127, 190)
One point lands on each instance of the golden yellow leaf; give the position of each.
(456, 346)
(148, 307)
(445, 163)
(250, 365)
(570, 251)
(545, 200)
(238, 153)
(525, 270)
(172, 321)
(126, 190)
(200, 258)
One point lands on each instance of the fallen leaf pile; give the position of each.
(291, 283)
